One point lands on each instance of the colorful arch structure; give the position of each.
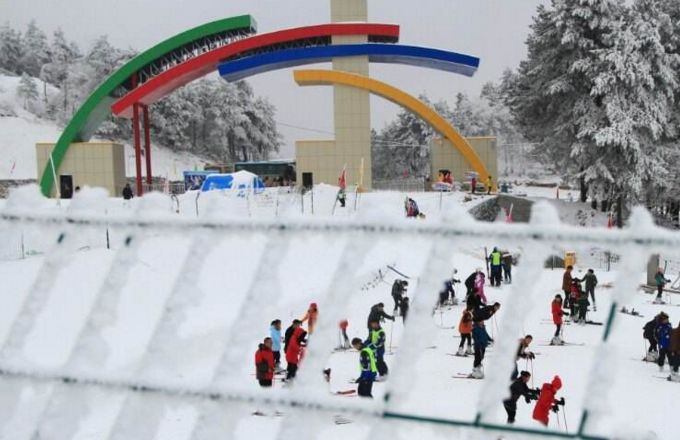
(377, 53)
(97, 107)
(441, 125)
(194, 68)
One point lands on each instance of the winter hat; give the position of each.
(312, 305)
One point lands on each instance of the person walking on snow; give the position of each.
(663, 336)
(591, 283)
(398, 292)
(583, 304)
(275, 334)
(506, 262)
(557, 314)
(368, 368)
(481, 338)
(465, 329)
(496, 270)
(518, 389)
(479, 286)
(311, 316)
(376, 342)
(547, 401)
(661, 281)
(289, 332)
(566, 285)
(523, 352)
(403, 308)
(264, 363)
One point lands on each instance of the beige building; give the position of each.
(445, 157)
(96, 164)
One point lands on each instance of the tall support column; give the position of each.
(138, 149)
(147, 144)
(351, 108)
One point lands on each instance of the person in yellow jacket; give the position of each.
(489, 184)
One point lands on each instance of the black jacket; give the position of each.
(517, 390)
(470, 281)
(127, 193)
(483, 313)
(286, 338)
(648, 329)
(377, 315)
(591, 280)
(397, 289)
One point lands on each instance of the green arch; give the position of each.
(97, 107)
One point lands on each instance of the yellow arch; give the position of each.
(311, 77)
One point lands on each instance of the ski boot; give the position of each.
(556, 340)
(460, 352)
(469, 351)
(477, 373)
(674, 377)
(652, 356)
(658, 300)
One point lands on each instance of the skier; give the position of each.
(523, 352)
(311, 316)
(403, 308)
(485, 312)
(574, 295)
(470, 282)
(495, 260)
(566, 285)
(264, 363)
(506, 262)
(675, 355)
(547, 401)
(661, 281)
(591, 282)
(369, 369)
(481, 338)
(465, 329)
(518, 389)
(376, 342)
(398, 288)
(344, 345)
(479, 286)
(294, 350)
(411, 208)
(448, 292)
(649, 333)
(557, 314)
(275, 333)
(377, 313)
(663, 336)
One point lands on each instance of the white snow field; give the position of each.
(155, 337)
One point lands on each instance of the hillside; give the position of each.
(21, 129)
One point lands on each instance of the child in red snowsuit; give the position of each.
(264, 363)
(546, 401)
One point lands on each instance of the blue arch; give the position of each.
(379, 53)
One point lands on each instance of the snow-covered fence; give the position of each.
(218, 403)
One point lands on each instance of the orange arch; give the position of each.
(311, 77)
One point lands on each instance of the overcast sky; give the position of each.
(493, 30)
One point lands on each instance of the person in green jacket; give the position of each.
(496, 271)
(661, 281)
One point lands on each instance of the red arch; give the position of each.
(182, 74)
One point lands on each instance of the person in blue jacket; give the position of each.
(376, 342)
(481, 341)
(368, 368)
(663, 337)
(275, 333)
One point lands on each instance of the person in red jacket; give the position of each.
(264, 363)
(557, 314)
(294, 351)
(547, 401)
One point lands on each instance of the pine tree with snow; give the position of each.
(35, 50)
(27, 89)
(10, 49)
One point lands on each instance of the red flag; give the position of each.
(508, 215)
(342, 181)
(610, 221)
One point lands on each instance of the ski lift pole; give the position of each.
(391, 333)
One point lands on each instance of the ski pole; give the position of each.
(391, 333)
(564, 414)
(532, 372)
(495, 323)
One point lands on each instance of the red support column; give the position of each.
(138, 149)
(147, 144)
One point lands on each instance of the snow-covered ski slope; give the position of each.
(154, 338)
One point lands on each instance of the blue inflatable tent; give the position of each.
(240, 181)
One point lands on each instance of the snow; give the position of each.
(184, 308)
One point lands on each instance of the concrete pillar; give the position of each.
(352, 112)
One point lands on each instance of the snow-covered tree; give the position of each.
(27, 89)
(35, 50)
(10, 48)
